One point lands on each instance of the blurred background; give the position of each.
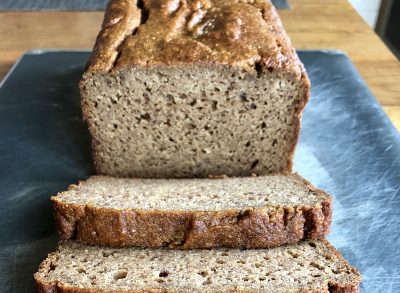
(383, 16)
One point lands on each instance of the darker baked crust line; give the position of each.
(144, 15)
(250, 228)
(122, 18)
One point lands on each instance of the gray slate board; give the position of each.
(347, 146)
(27, 5)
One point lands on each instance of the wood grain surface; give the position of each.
(311, 24)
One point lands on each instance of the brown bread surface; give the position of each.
(193, 88)
(247, 212)
(307, 267)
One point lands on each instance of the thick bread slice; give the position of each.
(193, 88)
(310, 266)
(249, 212)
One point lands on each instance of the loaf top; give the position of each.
(247, 34)
(195, 194)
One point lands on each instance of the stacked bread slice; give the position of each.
(310, 266)
(178, 94)
(247, 212)
(260, 233)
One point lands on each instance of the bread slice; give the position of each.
(310, 266)
(250, 212)
(193, 88)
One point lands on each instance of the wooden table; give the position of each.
(311, 24)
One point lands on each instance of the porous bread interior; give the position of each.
(309, 265)
(194, 194)
(192, 121)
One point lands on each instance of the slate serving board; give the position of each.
(347, 146)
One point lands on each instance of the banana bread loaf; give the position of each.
(184, 88)
(310, 266)
(252, 212)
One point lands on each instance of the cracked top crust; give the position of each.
(243, 33)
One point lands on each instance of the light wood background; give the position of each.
(311, 24)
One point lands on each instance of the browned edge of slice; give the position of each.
(241, 228)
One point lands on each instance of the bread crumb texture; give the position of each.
(194, 194)
(311, 266)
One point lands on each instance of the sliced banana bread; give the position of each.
(248, 212)
(193, 88)
(310, 266)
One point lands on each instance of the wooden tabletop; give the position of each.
(311, 24)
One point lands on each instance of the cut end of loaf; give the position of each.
(311, 266)
(192, 90)
(192, 121)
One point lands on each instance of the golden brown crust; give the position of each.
(348, 288)
(252, 228)
(247, 228)
(243, 33)
(120, 20)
